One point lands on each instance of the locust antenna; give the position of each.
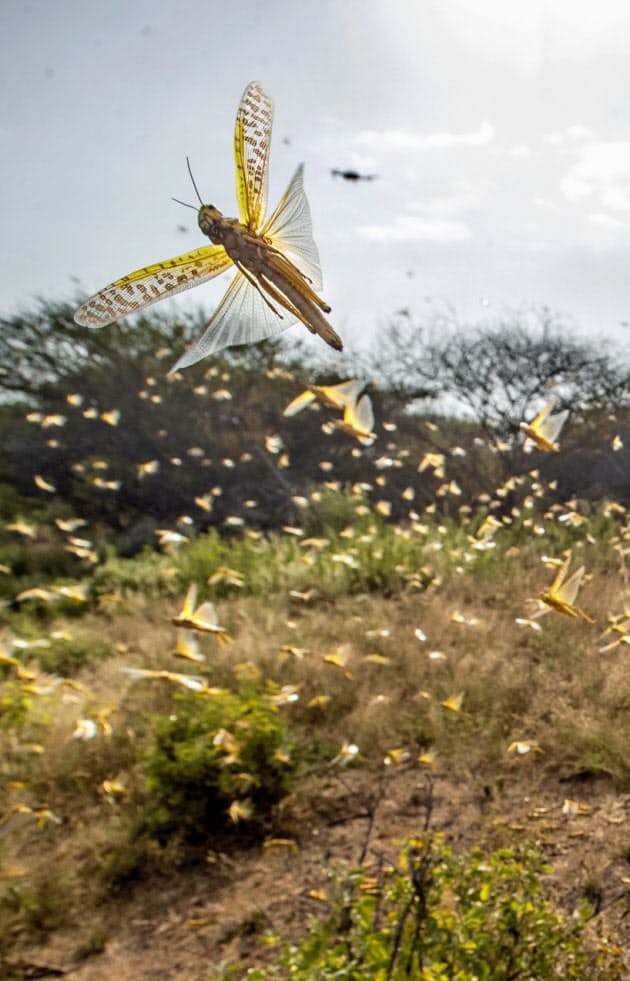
(193, 182)
(193, 206)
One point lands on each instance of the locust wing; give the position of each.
(551, 426)
(359, 417)
(568, 590)
(152, 283)
(556, 585)
(190, 601)
(291, 231)
(252, 141)
(242, 317)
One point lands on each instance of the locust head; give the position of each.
(211, 223)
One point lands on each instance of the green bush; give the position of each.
(149, 572)
(14, 706)
(40, 907)
(221, 760)
(439, 917)
(331, 512)
(33, 562)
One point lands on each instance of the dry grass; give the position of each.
(550, 688)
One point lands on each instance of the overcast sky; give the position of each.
(500, 133)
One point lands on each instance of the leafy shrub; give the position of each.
(67, 655)
(40, 907)
(148, 572)
(30, 563)
(14, 706)
(436, 917)
(331, 512)
(219, 760)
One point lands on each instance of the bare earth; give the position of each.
(177, 928)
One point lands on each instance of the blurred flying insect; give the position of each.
(334, 396)
(277, 260)
(358, 420)
(188, 681)
(203, 619)
(454, 702)
(561, 594)
(544, 429)
(188, 646)
(353, 176)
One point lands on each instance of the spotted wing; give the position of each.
(291, 231)
(242, 317)
(152, 283)
(252, 139)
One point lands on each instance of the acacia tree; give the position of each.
(43, 348)
(497, 373)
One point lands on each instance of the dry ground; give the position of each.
(177, 926)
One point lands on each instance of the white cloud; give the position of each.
(605, 221)
(522, 150)
(415, 228)
(572, 134)
(397, 139)
(601, 173)
(579, 132)
(462, 198)
(525, 34)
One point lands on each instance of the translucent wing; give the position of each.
(341, 395)
(358, 420)
(361, 415)
(545, 425)
(242, 317)
(569, 590)
(562, 571)
(152, 283)
(551, 426)
(189, 602)
(188, 646)
(544, 412)
(291, 231)
(252, 139)
(206, 616)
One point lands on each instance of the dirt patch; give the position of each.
(179, 927)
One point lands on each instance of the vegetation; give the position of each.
(436, 916)
(133, 450)
(218, 761)
(376, 624)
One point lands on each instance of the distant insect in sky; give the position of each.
(277, 260)
(353, 175)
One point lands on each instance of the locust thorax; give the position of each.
(211, 223)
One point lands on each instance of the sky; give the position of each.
(500, 134)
